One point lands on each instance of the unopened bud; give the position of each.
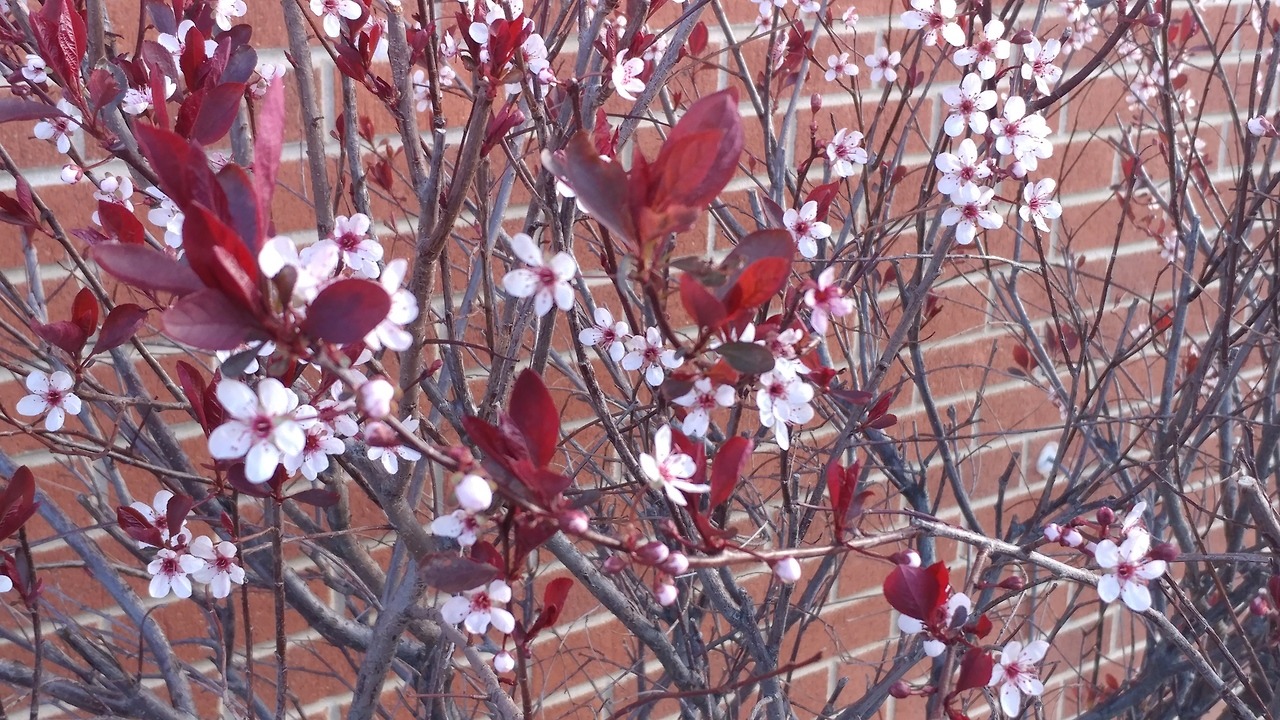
(1053, 532)
(1106, 516)
(787, 570)
(677, 564)
(900, 690)
(1259, 606)
(614, 564)
(71, 173)
(374, 397)
(1071, 537)
(652, 553)
(1152, 20)
(665, 594)
(1013, 583)
(380, 434)
(503, 662)
(1167, 552)
(1022, 37)
(574, 522)
(474, 494)
(910, 558)
(815, 103)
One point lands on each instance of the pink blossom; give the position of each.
(969, 104)
(935, 19)
(804, 226)
(701, 400)
(883, 65)
(826, 300)
(169, 571)
(1131, 570)
(333, 12)
(970, 213)
(961, 168)
(548, 283)
(610, 336)
(839, 65)
(478, 609)
(1040, 207)
(986, 50)
(670, 470)
(626, 75)
(1016, 674)
(787, 570)
(50, 394)
(157, 513)
(262, 427)
(844, 152)
(647, 352)
(1037, 64)
(220, 569)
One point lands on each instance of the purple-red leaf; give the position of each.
(346, 311)
(176, 512)
(136, 525)
(17, 503)
(84, 311)
(758, 283)
(60, 36)
(454, 574)
(916, 592)
(728, 466)
(209, 320)
(193, 386)
(747, 358)
(14, 109)
(706, 165)
(183, 167)
(601, 186)
(146, 269)
(217, 110)
(238, 187)
(121, 325)
(316, 496)
(62, 334)
(975, 670)
(267, 143)
(534, 413)
(120, 223)
(705, 309)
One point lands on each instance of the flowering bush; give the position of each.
(560, 332)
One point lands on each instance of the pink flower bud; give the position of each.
(614, 564)
(1053, 532)
(1106, 516)
(815, 103)
(380, 434)
(1022, 37)
(665, 594)
(900, 690)
(1152, 20)
(71, 173)
(677, 564)
(1259, 606)
(787, 570)
(473, 493)
(503, 662)
(374, 397)
(1013, 582)
(574, 522)
(1072, 538)
(910, 558)
(652, 553)
(1167, 552)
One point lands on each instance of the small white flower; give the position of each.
(546, 282)
(268, 72)
(1020, 135)
(1016, 674)
(474, 496)
(224, 10)
(670, 470)
(1261, 126)
(478, 609)
(701, 400)
(608, 335)
(883, 65)
(374, 398)
(360, 252)
(71, 173)
(783, 400)
(961, 168)
(970, 213)
(390, 456)
(263, 427)
(114, 189)
(826, 300)
(34, 70)
(805, 228)
(1130, 568)
(969, 104)
(987, 48)
(220, 567)
(333, 12)
(60, 130)
(840, 65)
(1133, 519)
(503, 663)
(390, 333)
(166, 214)
(157, 513)
(845, 151)
(646, 352)
(50, 394)
(169, 572)
(1040, 207)
(1045, 464)
(314, 458)
(6, 583)
(787, 570)
(135, 101)
(934, 21)
(626, 75)
(1037, 64)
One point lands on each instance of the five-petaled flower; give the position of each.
(263, 427)
(50, 394)
(826, 300)
(390, 457)
(220, 567)
(547, 282)
(1016, 674)
(670, 470)
(934, 21)
(1021, 135)
(157, 513)
(701, 399)
(610, 336)
(805, 226)
(986, 49)
(34, 70)
(360, 252)
(839, 65)
(970, 213)
(845, 151)
(783, 400)
(1037, 64)
(969, 104)
(169, 571)
(60, 129)
(961, 168)
(478, 609)
(224, 10)
(1131, 570)
(626, 75)
(474, 497)
(646, 352)
(883, 65)
(1040, 206)
(333, 12)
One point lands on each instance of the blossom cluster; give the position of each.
(184, 558)
(1131, 561)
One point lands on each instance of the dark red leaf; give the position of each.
(694, 449)
(267, 142)
(146, 269)
(747, 358)
(215, 113)
(121, 325)
(915, 592)
(728, 467)
(17, 503)
(219, 257)
(193, 58)
(62, 334)
(881, 406)
(238, 187)
(698, 39)
(176, 512)
(84, 311)
(121, 224)
(317, 496)
(884, 421)
(60, 36)
(210, 320)
(484, 551)
(758, 283)
(601, 186)
(193, 386)
(530, 533)
(159, 103)
(454, 574)
(975, 670)
(136, 526)
(824, 195)
(16, 109)
(718, 114)
(347, 310)
(534, 412)
(705, 309)
(103, 88)
(183, 168)
(553, 599)
(1023, 359)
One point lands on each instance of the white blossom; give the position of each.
(969, 104)
(626, 75)
(34, 70)
(547, 282)
(157, 513)
(883, 65)
(224, 10)
(1039, 206)
(610, 336)
(220, 569)
(1037, 64)
(360, 251)
(670, 470)
(1130, 568)
(646, 352)
(838, 66)
(935, 19)
(50, 394)
(826, 300)
(804, 226)
(478, 609)
(783, 400)
(1016, 674)
(169, 571)
(390, 333)
(390, 457)
(61, 130)
(961, 168)
(1020, 135)
(986, 50)
(845, 151)
(701, 399)
(970, 213)
(263, 427)
(333, 12)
